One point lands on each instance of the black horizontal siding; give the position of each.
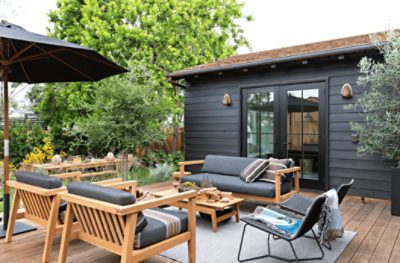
(213, 128)
(369, 171)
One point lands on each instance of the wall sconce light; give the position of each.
(227, 101)
(347, 91)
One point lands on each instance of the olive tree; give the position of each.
(380, 133)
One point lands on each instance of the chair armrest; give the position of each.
(288, 170)
(191, 162)
(35, 189)
(183, 164)
(278, 174)
(168, 200)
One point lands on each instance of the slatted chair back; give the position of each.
(36, 205)
(101, 225)
(312, 216)
(343, 189)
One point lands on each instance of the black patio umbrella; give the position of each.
(32, 58)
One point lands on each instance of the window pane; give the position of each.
(253, 113)
(253, 145)
(267, 112)
(310, 114)
(294, 106)
(267, 145)
(310, 158)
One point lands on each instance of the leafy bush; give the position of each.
(153, 158)
(40, 154)
(23, 140)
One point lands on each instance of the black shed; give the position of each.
(286, 103)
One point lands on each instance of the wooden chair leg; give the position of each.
(51, 229)
(192, 230)
(13, 216)
(62, 258)
(127, 246)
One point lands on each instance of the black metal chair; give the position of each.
(308, 221)
(299, 204)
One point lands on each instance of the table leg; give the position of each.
(214, 220)
(237, 215)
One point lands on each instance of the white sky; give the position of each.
(278, 23)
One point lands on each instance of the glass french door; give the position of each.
(287, 122)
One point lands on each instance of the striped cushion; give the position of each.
(161, 224)
(254, 170)
(273, 166)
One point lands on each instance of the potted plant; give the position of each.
(380, 133)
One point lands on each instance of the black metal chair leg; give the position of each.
(241, 244)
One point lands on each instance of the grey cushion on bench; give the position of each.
(156, 229)
(227, 165)
(235, 184)
(37, 179)
(101, 193)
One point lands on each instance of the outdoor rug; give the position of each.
(223, 246)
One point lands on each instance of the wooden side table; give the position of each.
(208, 208)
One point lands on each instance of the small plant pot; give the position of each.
(395, 193)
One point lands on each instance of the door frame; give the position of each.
(324, 120)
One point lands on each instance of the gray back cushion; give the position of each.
(37, 179)
(227, 165)
(101, 193)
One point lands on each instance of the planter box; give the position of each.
(395, 184)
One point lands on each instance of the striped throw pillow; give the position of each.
(273, 166)
(254, 170)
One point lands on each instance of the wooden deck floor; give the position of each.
(378, 238)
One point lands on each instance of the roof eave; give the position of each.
(324, 53)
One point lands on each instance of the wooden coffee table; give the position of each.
(209, 208)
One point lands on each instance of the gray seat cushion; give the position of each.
(38, 179)
(235, 184)
(227, 165)
(102, 193)
(157, 230)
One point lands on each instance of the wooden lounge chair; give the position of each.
(39, 195)
(111, 224)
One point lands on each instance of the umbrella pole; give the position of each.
(19, 227)
(6, 164)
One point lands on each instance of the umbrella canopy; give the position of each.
(32, 58)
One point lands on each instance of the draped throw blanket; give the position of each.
(330, 225)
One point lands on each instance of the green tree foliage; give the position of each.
(380, 134)
(126, 115)
(165, 35)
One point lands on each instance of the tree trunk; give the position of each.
(175, 139)
(125, 166)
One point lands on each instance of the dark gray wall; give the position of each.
(212, 128)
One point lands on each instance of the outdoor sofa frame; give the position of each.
(278, 174)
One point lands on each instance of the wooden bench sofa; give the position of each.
(224, 172)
